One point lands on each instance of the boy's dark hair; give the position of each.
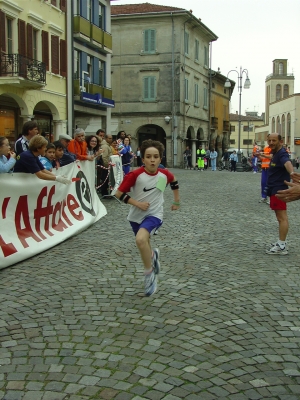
(58, 145)
(152, 143)
(28, 126)
(50, 146)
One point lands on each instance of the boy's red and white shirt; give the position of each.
(143, 187)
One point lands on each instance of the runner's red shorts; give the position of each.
(277, 204)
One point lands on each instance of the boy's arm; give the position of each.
(175, 189)
(142, 205)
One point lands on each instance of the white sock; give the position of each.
(281, 243)
(148, 271)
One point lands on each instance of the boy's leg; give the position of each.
(143, 244)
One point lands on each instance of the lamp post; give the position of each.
(247, 84)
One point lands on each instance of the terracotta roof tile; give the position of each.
(140, 8)
(235, 117)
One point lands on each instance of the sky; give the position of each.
(251, 34)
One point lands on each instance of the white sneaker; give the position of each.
(268, 201)
(278, 250)
(254, 172)
(262, 200)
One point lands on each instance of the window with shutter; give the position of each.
(45, 48)
(53, 2)
(196, 94)
(149, 88)
(2, 32)
(150, 41)
(55, 54)
(186, 43)
(63, 5)
(63, 58)
(29, 41)
(205, 98)
(22, 37)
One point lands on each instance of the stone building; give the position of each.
(33, 66)
(160, 76)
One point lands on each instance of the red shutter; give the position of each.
(45, 49)
(63, 58)
(29, 41)
(63, 5)
(53, 2)
(22, 37)
(2, 32)
(55, 54)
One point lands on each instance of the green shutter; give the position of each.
(146, 41)
(152, 87)
(152, 41)
(146, 91)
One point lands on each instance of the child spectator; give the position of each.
(49, 157)
(147, 185)
(7, 157)
(29, 162)
(59, 152)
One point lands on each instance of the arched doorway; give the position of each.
(44, 114)
(12, 107)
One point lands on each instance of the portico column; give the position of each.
(59, 127)
(193, 151)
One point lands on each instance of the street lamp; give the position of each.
(240, 86)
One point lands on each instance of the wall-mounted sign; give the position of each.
(297, 140)
(97, 99)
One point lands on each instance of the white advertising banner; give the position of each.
(36, 214)
(116, 173)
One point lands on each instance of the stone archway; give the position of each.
(13, 113)
(48, 118)
(154, 132)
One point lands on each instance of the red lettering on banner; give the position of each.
(7, 248)
(60, 226)
(64, 214)
(4, 206)
(23, 214)
(43, 212)
(72, 206)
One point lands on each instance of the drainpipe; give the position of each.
(173, 109)
(209, 95)
(70, 67)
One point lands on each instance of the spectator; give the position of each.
(265, 158)
(100, 133)
(78, 146)
(188, 154)
(255, 154)
(46, 135)
(127, 155)
(114, 148)
(213, 157)
(200, 158)
(207, 157)
(29, 162)
(30, 129)
(121, 135)
(233, 158)
(67, 157)
(59, 154)
(7, 157)
(297, 160)
(107, 152)
(49, 157)
(93, 145)
(138, 157)
(225, 158)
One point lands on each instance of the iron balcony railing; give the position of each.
(16, 65)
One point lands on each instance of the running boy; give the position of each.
(147, 185)
(49, 156)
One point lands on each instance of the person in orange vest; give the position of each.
(265, 158)
(78, 146)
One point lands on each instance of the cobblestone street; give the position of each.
(224, 323)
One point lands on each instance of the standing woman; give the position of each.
(6, 164)
(233, 158)
(93, 146)
(127, 155)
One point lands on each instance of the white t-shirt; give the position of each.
(146, 187)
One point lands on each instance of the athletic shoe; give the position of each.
(155, 261)
(277, 250)
(156, 232)
(268, 201)
(262, 200)
(150, 284)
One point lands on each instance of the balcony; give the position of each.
(226, 126)
(91, 88)
(214, 123)
(17, 70)
(87, 32)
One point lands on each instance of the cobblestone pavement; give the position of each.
(224, 323)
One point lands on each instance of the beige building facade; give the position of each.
(160, 77)
(33, 66)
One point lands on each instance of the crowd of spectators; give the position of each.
(35, 154)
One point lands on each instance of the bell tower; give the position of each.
(279, 84)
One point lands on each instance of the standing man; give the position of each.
(200, 158)
(279, 171)
(213, 159)
(30, 129)
(188, 154)
(100, 133)
(265, 158)
(207, 156)
(225, 158)
(255, 154)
